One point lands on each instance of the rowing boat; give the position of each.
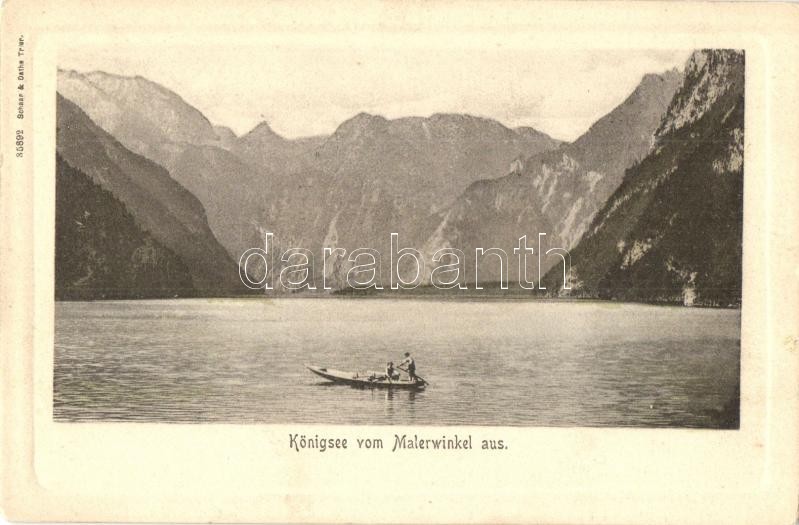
(365, 379)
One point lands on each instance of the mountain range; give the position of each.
(371, 177)
(448, 180)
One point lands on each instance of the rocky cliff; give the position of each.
(672, 230)
(559, 191)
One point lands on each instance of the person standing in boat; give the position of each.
(411, 366)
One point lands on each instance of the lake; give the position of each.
(488, 362)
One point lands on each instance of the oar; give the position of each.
(420, 378)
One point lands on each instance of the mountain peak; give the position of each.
(225, 135)
(263, 131)
(360, 124)
(532, 133)
(654, 82)
(141, 113)
(463, 120)
(366, 118)
(68, 73)
(636, 116)
(669, 74)
(454, 117)
(709, 75)
(114, 82)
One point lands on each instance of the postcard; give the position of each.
(507, 262)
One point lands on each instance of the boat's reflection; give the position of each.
(388, 394)
(399, 401)
(391, 394)
(394, 399)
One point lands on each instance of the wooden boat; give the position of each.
(366, 379)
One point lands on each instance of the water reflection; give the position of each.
(487, 363)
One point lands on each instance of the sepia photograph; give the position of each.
(499, 262)
(557, 245)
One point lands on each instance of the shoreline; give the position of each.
(490, 296)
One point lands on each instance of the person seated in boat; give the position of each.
(391, 372)
(410, 367)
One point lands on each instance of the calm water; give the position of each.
(488, 362)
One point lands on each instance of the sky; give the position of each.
(304, 90)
